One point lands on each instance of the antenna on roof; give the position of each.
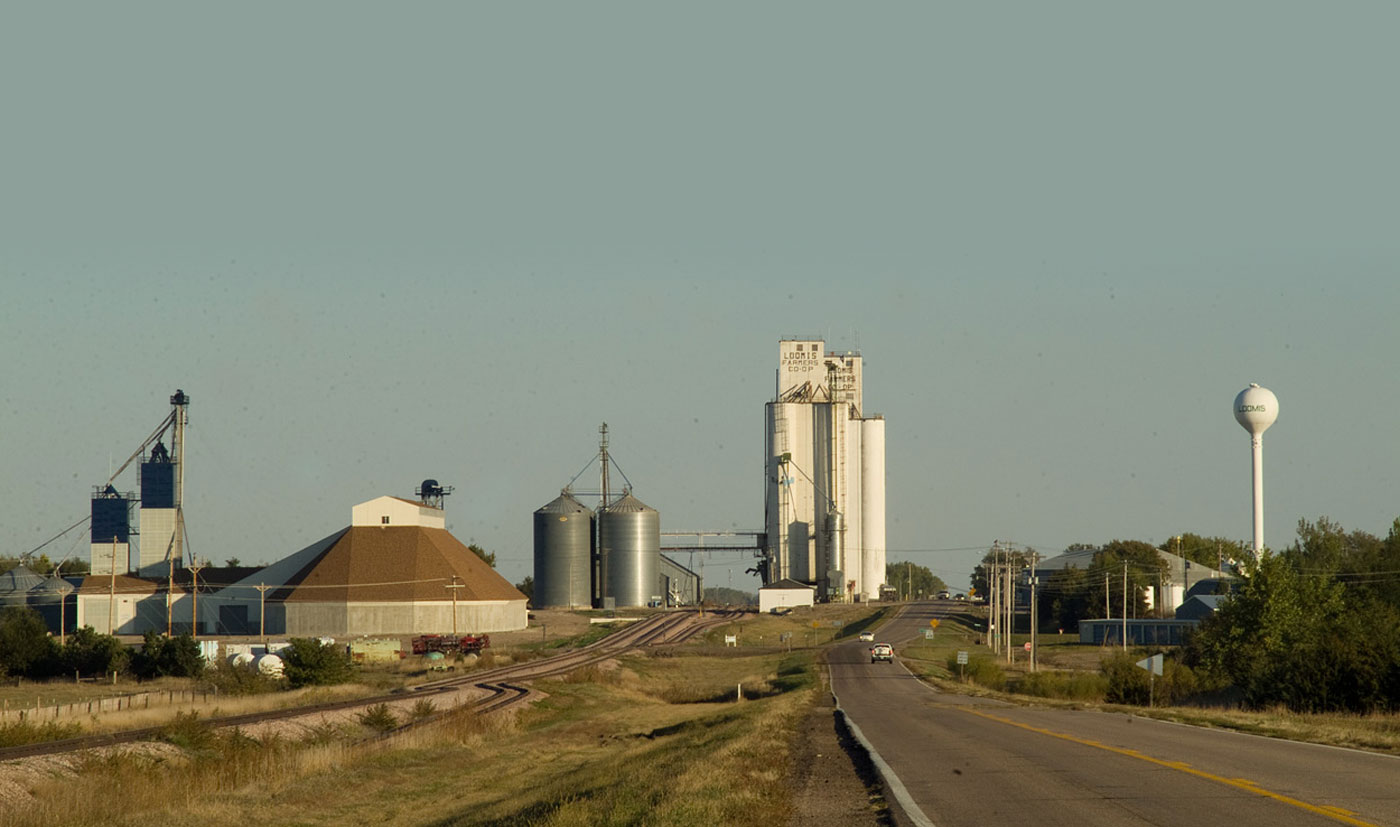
(431, 494)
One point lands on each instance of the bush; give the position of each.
(1129, 683)
(26, 650)
(312, 663)
(980, 670)
(188, 731)
(88, 653)
(161, 656)
(1074, 686)
(230, 680)
(20, 733)
(379, 718)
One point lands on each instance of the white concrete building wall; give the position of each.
(790, 507)
(157, 540)
(381, 618)
(800, 362)
(770, 599)
(872, 491)
(392, 511)
(134, 614)
(851, 507)
(103, 557)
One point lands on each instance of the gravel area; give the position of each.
(835, 782)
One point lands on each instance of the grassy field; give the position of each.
(660, 738)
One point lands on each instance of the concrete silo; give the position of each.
(564, 531)
(629, 545)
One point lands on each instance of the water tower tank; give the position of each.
(629, 539)
(1256, 409)
(563, 554)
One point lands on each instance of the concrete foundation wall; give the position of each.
(354, 619)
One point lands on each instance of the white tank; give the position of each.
(241, 659)
(1256, 409)
(269, 665)
(872, 505)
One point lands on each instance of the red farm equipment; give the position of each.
(449, 645)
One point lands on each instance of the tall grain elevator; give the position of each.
(825, 476)
(162, 494)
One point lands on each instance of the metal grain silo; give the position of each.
(629, 542)
(563, 554)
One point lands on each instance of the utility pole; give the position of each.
(112, 593)
(1010, 604)
(1034, 616)
(1125, 605)
(170, 594)
(62, 604)
(453, 588)
(262, 611)
(993, 612)
(194, 568)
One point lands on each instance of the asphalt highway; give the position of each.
(952, 760)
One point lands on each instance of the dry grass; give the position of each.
(1377, 732)
(602, 746)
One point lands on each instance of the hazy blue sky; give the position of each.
(377, 243)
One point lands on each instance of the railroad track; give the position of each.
(501, 685)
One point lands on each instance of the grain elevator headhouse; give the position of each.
(825, 486)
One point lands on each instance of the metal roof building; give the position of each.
(395, 570)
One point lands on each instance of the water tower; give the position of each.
(1256, 409)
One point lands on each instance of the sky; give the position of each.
(377, 244)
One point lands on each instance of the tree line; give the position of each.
(1314, 627)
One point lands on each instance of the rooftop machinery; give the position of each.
(825, 476)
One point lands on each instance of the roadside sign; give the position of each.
(928, 634)
(962, 658)
(1026, 646)
(1152, 664)
(933, 623)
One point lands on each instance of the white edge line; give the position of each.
(901, 795)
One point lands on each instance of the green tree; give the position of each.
(1018, 559)
(1324, 547)
(1144, 569)
(488, 556)
(1211, 552)
(26, 650)
(725, 596)
(1066, 597)
(527, 587)
(911, 580)
(312, 663)
(162, 656)
(1271, 638)
(88, 653)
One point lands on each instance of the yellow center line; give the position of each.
(1334, 813)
